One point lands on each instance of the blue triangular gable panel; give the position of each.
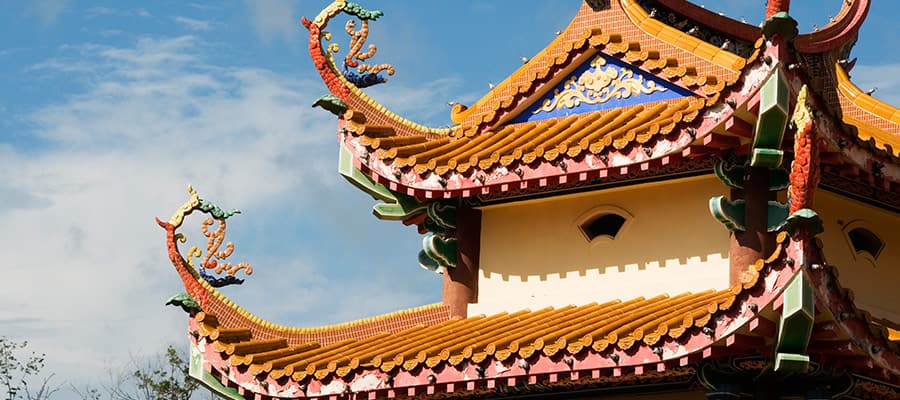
(603, 83)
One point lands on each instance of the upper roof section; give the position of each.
(628, 87)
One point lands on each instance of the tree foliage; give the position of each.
(16, 370)
(164, 377)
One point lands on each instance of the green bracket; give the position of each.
(729, 213)
(806, 217)
(774, 101)
(195, 370)
(396, 206)
(779, 179)
(332, 104)
(776, 216)
(438, 253)
(186, 302)
(767, 158)
(795, 326)
(732, 175)
(780, 23)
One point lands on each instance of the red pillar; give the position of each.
(775, 6)
(461, 283)
(755, 241)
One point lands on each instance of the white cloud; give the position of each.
(274, 19)
(193, 24)
(87, 275)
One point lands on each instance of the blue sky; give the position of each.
(109, 109)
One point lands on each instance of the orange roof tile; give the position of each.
(875, 121)
(568, 329)
(549, 139)
(624, 30)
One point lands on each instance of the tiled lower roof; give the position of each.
(549, 139)
(623, 324)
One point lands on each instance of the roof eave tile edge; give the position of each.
(772, 273)
(885, 141)
(682, 40)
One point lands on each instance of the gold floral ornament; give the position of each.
(364, 74)
(213, 258)
(355, 54)
(598, 85)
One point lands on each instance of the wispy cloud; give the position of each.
(80, 212)
(193, 24)
(94, 12)
(426, 103)
(273, 19)
(47, 11)
(153, 117)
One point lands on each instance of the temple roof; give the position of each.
(688, 76)
(422, 350)
(622, 324)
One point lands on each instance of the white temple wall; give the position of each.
(874, 281)
(534, 254)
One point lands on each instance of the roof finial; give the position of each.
(776, 6)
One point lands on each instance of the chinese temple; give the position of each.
(662, 203)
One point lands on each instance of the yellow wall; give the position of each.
(875, 284)
(533, 253)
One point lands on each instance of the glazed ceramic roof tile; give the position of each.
(568, 329)
(549, 139)
(637, 39)
(876, 122)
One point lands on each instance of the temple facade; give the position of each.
(662, 203)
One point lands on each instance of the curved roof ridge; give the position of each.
(719, 22)
(886, 135)
(340, 86)
(210, 299)
(680, 39)
(837, 33)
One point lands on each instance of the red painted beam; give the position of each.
(717, 141)
(737, 126)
